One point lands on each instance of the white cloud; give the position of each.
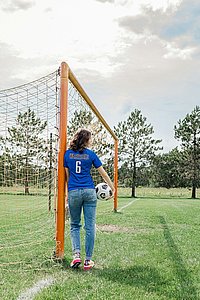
(174, 52)
(126, 54)
(62, 30)
(15, 5)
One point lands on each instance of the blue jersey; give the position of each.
(79, 165)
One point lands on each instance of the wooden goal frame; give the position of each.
(66, 75)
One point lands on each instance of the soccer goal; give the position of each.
(38, 120)
(78, 111)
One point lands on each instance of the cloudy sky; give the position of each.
(127, 54)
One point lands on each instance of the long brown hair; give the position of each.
(80, 140)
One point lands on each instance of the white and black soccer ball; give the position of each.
(103, 191)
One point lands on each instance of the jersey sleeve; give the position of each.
(96, 161)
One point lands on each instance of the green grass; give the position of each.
(148, 250)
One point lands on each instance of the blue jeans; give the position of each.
(77, 200)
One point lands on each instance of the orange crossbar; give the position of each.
(97, 113)
(89, 102)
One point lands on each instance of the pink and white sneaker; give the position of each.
(88, 264)
(76, 261)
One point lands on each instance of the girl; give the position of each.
(78, 161)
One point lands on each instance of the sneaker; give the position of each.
(76, 261)
(88, 264)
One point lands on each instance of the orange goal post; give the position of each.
(76, 110)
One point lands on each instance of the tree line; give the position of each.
(27, 158)
(142, 165)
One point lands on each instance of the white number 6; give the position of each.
(78, 166)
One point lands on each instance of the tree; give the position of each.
(26, 143)
(167, 169)
(188, 132)
(136, 145)
(125, 175)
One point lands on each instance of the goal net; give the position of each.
(28, 167)
(38, 120)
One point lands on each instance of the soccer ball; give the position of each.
(103, 191)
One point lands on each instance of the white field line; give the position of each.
(30, 293)
(127, 205)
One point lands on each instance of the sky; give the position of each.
(127, 54)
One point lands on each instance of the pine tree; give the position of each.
(188, 132)
(26, 142)
(136, 145)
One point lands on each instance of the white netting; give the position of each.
(28, 160)
(80, 115)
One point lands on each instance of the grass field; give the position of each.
(148, 250)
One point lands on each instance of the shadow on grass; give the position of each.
(149, 280)
(187, 289)
(181, 287)
(144, 277)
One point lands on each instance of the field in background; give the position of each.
(158, 192)
(148, 250)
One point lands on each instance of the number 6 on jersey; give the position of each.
(78, 166)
